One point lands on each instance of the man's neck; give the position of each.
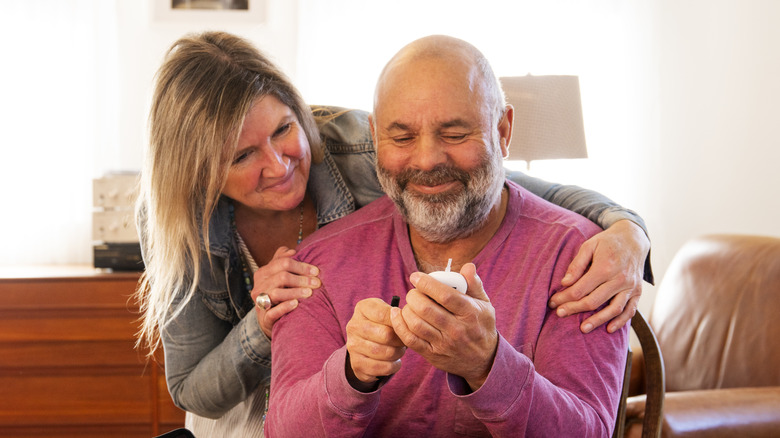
(431, 256)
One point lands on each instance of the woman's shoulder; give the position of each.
(343, 130)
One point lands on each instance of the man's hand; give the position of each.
(608, 266)
(454, 332)
(373, 348)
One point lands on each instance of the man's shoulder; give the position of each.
(535, 208)
(364, 222)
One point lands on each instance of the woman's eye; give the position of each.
(241, 157)
(283, 129)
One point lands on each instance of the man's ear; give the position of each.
(371, 128)
(505, 126)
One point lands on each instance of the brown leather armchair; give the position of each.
(717, 321)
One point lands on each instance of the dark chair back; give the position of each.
(654, 380)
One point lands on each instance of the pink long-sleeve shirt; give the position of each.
(548, 378)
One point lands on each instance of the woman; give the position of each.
(237, 173)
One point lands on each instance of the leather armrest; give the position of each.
(743, 412)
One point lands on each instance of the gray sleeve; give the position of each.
(210, 364)
(601, 210)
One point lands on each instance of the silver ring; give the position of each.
(263, 301)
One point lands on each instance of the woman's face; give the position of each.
(271, 164)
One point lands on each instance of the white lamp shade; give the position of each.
(548, 117)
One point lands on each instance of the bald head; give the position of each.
(447, 53)
(440, 47)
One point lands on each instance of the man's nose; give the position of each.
(429, 153)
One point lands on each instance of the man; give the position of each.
(494, 361)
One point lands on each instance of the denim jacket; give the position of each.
(216, 355)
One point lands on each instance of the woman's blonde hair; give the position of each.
(204, 89)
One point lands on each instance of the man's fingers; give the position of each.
(446, 297)
(476, 288)
(423, 325)
(374, 348)
(384, 351)
(374, 310)
(403, 332)
(368, 369)
(370, 325)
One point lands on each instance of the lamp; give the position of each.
(548, 117)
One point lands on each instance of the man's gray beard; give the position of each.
(442, 218)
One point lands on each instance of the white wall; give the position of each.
(716, 169)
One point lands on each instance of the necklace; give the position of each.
(248, 264)
(300, 226)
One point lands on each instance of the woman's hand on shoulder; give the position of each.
(285, 281)
(608, 267)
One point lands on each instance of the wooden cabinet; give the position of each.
(68, 366)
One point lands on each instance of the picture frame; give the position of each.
(248, 12)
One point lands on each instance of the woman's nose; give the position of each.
(276, 163)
